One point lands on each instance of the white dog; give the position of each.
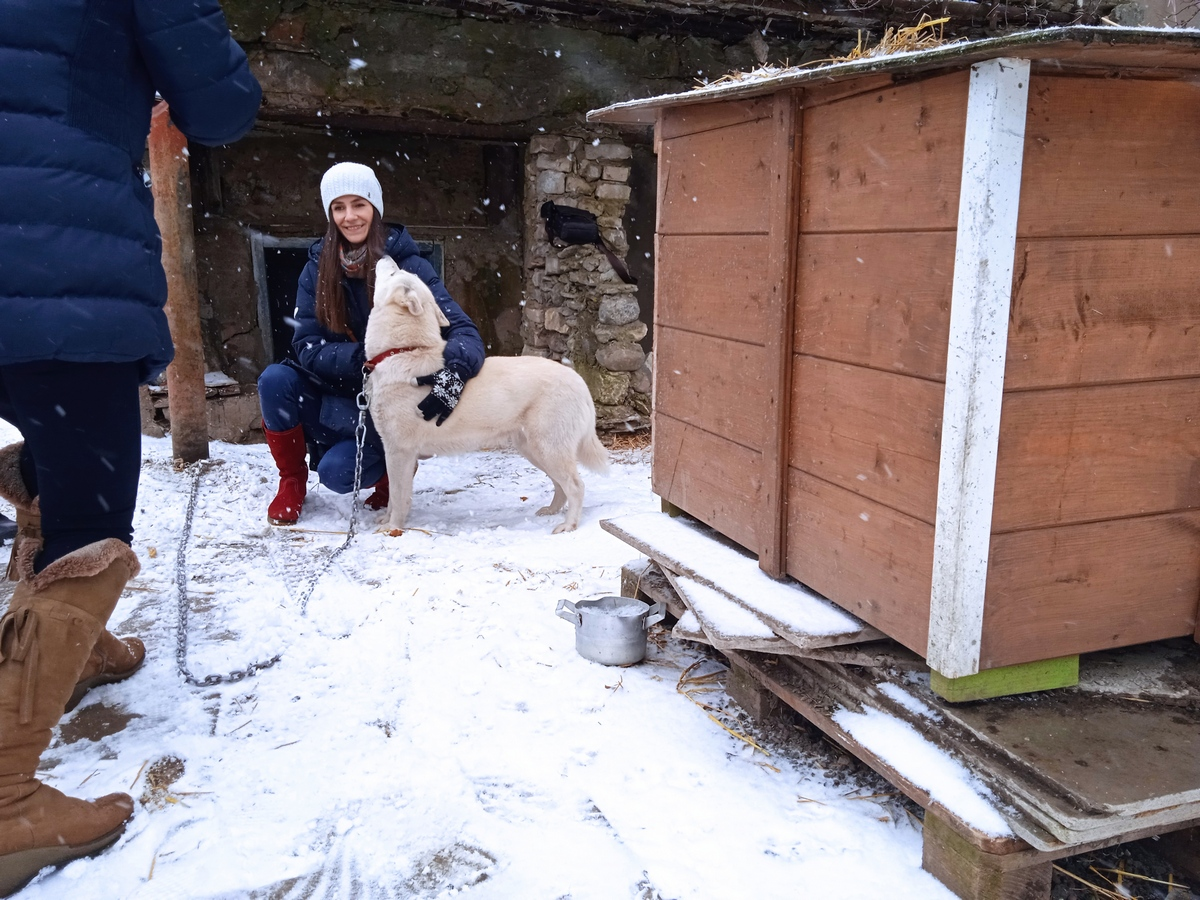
(540, 407)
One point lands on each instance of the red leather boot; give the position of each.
(379, 499)
(288, 450)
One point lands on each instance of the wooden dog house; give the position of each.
(927, 336)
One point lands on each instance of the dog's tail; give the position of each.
(592, 454)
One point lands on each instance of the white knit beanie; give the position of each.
(351, 178)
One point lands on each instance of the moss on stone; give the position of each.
(607, 388)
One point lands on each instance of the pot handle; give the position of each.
(566, 610)
(657, 613)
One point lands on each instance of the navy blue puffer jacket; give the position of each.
(81, 276)
(336, 360)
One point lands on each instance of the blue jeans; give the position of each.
(83, 448)
(289, 399)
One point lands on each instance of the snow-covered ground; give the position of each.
(430, 730)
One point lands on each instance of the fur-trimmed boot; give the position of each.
(13, 489)
(288, 449)
(51, 626)
(113, 659)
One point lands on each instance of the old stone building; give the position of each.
(472, 114)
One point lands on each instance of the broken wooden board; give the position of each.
(642, 579)
(877, 654)
(824, 693)
(728, 625)
(795, 613)
(688, 627)
(1084, 763)
(817, 691)
(1100, 764)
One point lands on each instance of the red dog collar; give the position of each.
(370, 364)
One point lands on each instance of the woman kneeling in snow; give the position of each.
(308, 404)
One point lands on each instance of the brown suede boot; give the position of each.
(13, 489)
(112, 659)
(29, 528)
(51, 626)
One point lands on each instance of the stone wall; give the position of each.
(576, 308)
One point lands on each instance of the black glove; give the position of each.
(447, 388)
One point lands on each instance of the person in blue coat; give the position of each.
(308, 406)
(82, 291)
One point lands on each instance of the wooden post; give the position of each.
(784, 214)
(754, 699)
(172, 188)
(979, 306)
(974, 874)
(1005, 681)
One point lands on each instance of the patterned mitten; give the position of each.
(447, 388)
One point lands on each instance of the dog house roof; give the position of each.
(1153, 52)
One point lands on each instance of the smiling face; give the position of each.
(352, 215)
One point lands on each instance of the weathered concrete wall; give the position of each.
(417, 64)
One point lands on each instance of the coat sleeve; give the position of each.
(464, 345)
(198, 68)
(334, 360)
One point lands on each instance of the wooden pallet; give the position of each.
(974, 864)
(1047, 812)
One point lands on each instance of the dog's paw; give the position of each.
(546, 511)
(561, 527)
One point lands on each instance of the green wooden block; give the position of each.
(671, 509)
(1025, 678)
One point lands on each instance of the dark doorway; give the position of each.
(283, 259)
(283, 266)
(640, 223)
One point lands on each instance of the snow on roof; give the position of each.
(1076, 44)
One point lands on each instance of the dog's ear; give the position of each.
(442, 321)
(412, 301)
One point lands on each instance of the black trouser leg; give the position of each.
(83, 448)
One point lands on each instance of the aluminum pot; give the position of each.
(611, 630)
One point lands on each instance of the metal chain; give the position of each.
(360, 433)
(181, 644)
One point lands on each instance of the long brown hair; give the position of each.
(331, 302)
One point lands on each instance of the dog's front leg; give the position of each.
(401, 467)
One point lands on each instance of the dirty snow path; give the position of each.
(430, 731)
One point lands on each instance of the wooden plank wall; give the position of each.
(713, 313)
(1096, 527)
(880, 175)
(1097, 518)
